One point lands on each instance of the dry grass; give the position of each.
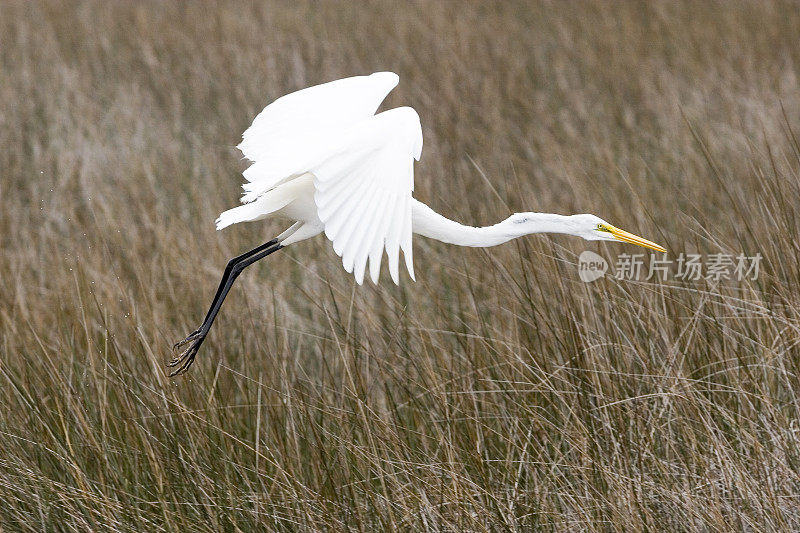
(496, 393)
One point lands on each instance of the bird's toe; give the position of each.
(191, 337)
(184, 359)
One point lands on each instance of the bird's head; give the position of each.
(587, 226)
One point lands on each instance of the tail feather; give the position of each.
(261, 208)
(243, 213)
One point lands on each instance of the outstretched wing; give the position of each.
(282, 136)
(363, 192)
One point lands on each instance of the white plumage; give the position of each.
(360, 165)
(323, 159)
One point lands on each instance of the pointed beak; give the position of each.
(624, 236)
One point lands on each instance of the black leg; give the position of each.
(223, 282)
(229, 268)
(225, 277)
(235, 267)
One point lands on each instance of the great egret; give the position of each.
(323, 159)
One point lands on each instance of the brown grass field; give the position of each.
(497, 393)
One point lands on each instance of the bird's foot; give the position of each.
(183, 360)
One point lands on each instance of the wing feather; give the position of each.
(378, 240)
(345, 220)
(355, 225)
(362, 164)
(363, 192)
(364, 244)
(297, 128)
(405, 243)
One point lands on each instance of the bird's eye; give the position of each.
(601, 227)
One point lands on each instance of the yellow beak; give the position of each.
(623, 235)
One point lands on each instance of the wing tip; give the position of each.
(409, 265)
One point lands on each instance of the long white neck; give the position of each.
(428, 223)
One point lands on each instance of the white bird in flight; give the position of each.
(323, 158)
